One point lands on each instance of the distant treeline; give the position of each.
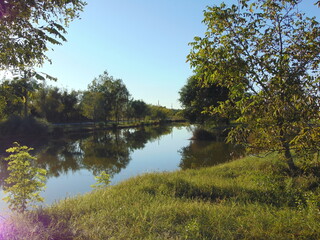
(106, 99)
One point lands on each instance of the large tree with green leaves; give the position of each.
(56, 105)
(27, 28)
(139, 109)
(15, 96)
(92, 106)
(106, 97)
(120, 99)
(267, 53)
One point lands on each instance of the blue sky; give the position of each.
(143, 42)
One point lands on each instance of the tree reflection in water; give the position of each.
(111, 151)
(98, 151)
(208, 153)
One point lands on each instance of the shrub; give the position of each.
(102, 180)
(202, 134)
(16, 125)
(25, 181)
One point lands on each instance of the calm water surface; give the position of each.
(73, 162)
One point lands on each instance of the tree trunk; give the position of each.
(288, 156)
(287, 153)
(25, 107)
(25, 93)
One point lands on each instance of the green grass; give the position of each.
(251, 198)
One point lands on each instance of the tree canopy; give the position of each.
(139, 109)
(106, 97)
(267, 53)
(195, 100)
(27, 29)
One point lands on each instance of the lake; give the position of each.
(73, 161)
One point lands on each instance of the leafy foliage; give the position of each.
(139, 109)
(103, 180)
(56, 105)
(23, 126)
(106, 97)
(25, 181)
(159, 113)
(196, 99)
(15, 95)
(267, 54)
(27, 28)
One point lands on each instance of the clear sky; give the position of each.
(142, 42)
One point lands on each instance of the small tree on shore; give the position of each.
(25, 182)
(102, 180)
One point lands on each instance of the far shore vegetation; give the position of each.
(29, 107)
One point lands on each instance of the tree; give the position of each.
(39, 103)
(195, 99)
(23, 89)
(16, 95)
(71, 109)
(102, 180)
(106, 97)
(159, 113)
(139, 109)
(101, 87)
(53, 105)
(10, 102)
(120, 99)
(2, 106)
(25, 181)
(56, 105)
(28, 27)
(92, 105)
(267, 54)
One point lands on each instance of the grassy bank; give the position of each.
(251, 198)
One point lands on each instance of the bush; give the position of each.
(25, 182)
(202, 134)
(16, 125)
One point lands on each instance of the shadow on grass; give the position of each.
(180, 188)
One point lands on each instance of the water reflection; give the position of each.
(111, 151)
(98, 151)
(208, 153)
(72, 161)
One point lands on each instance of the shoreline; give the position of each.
(249, 198)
